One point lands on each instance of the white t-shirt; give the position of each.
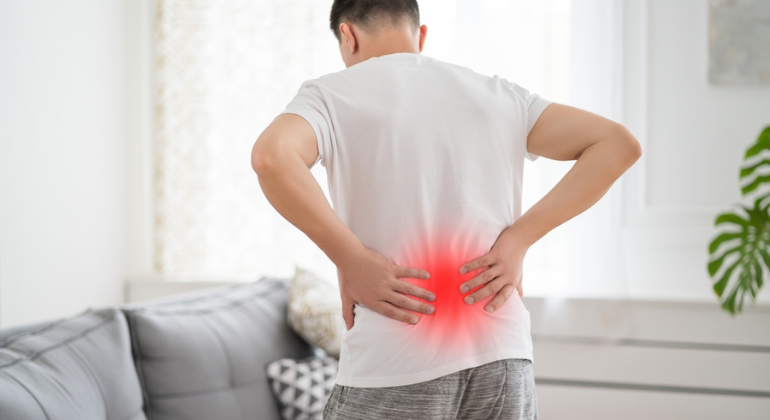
(424, 162)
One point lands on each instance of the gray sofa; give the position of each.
(197, 356)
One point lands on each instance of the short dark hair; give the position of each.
(366, 13)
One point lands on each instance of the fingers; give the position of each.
(482, 278)
(389, 310)
(412, 290)
(490, 289)
(482, 261)
(405, 302)
(502, 295)
(347, 312)
(411, 272)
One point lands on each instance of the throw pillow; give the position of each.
(315, 311)
(302, 386)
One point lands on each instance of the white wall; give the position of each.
(63, 166)
(694, 136)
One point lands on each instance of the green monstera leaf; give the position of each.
(751, 176)
(740, 255)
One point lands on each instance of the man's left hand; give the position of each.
(503, 275)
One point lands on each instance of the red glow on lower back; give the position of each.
(454, 322)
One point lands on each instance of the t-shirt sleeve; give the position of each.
(309, 103)
(535, 106)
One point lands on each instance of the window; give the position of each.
(225, 69)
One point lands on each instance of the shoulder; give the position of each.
(472, 75)
(326, 79)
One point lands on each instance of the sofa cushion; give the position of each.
(73, 368)
(5, 333)
(204, 357)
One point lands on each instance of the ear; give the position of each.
(423, 34)
(348, 37)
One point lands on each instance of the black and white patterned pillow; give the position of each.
(302, 386)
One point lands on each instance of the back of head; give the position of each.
(369, 14)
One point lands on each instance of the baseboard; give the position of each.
(610, 359)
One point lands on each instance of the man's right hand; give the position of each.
(282, 157)
(370, 279)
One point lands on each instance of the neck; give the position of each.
(389, 41)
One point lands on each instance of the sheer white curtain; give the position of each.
(583, 257)
(226, 68)
(566, 51)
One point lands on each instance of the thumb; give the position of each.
(347, 311)
(520, 289)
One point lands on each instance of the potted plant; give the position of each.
(740, 254)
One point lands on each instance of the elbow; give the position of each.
(630, 149)
(634, 149)
(262, 157)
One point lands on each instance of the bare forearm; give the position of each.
(293, 191)
(594, 172)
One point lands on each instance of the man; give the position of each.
(424, 161)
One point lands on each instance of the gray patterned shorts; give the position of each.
(503, 390)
